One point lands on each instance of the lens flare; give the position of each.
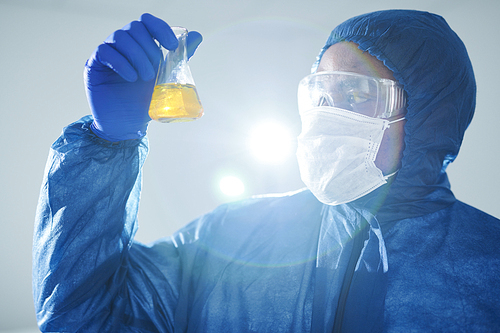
(231, 186)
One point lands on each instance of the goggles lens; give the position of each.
(370, 96)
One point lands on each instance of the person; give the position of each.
(377, 242)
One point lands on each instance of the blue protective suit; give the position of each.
(407, 257)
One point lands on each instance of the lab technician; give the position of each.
(377, 242)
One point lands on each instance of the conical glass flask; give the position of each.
(175, 98)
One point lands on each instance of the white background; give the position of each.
(246, 71)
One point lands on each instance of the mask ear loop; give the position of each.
(395, 121)
(388, 125)
(390, 175)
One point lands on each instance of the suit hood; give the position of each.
(428, 58)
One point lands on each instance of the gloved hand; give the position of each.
(120, 76)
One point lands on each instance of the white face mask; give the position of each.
(336, 154)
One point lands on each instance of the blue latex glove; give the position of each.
(119, 76)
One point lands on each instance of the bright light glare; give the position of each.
(231, 186)
(270, 142)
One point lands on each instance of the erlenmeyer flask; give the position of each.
(175, 98)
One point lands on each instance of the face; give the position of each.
(347, 57)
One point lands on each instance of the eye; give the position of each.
(357, 97)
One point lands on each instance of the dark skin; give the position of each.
(347, 57)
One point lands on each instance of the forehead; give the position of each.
(347, 57)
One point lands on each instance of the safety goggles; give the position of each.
(373, 97)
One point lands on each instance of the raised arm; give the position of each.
(86, 277)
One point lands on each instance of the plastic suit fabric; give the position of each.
(407, 257)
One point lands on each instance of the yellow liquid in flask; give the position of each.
(175, 102)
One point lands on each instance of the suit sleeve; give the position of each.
(88, 273)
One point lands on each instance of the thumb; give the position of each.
(194, 39)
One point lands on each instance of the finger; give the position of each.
(109, 57)
(141, 35)
(160, 30)
(133, 52)
(194, 39)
